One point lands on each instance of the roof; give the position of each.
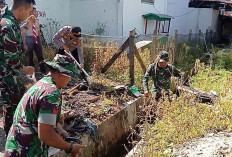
(223, 1)
(158, 17)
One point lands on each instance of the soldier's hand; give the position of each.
(76, 149)
(146, 94)
(29, 70)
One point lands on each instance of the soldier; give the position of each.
(161, 73)
(2, 5)
(38, 112)
(11, 48)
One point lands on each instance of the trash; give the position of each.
(134, 91)
(84, 125)
(82, 87)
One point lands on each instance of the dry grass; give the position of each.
(185, 119)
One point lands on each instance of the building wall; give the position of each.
(53, 14)
(195, 19)
(96, 17)
(55, 9)
(104, 17)
(133, 11)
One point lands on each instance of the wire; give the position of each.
(182, 14)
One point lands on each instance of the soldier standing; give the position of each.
(11, 48)
(161, 73)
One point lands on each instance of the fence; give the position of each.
(209, 37)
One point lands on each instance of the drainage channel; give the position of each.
(112, 134)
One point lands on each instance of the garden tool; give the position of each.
(89, 78)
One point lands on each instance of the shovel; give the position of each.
(89, 78)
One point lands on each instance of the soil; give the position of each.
(92, 105)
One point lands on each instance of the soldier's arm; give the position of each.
(146, 78)
(49, 109)
(23, 33)
(11, 49)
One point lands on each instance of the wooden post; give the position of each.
(115, 56)
(146, 26)
(190, 35)
(153, 46)
(199, 37)
(211, 36)
(138, 57)
(131, 57)
(175, 49)
(156, 25)
(207, 36)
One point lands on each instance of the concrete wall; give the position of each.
(112, 133)
(133, 11)
(57, 10)
(195, 19)
(97, 17)
(104, 17)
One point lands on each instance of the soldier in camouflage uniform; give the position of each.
(161, 73)
(38, 112)
(11, 48)
(2, 4)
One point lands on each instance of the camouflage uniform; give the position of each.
(40, 104)
(4, 3)
(161, 77)
(11, 49)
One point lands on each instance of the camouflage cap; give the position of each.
(2, 2)
(163, 56)
(64, 65)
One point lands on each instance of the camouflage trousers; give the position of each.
(11, 94)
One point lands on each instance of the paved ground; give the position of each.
(213, 145)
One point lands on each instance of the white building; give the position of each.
(186, 18)
(105, 17)
(118, 17)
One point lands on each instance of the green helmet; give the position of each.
(65, 65)
(163, 56)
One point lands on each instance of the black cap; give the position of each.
(76, 31)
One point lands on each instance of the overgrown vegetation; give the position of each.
(184, 118)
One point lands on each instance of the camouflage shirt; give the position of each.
(161, 77)
(11, 44)
(40, 104)
(11, 49)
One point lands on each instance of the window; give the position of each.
(148, 1)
